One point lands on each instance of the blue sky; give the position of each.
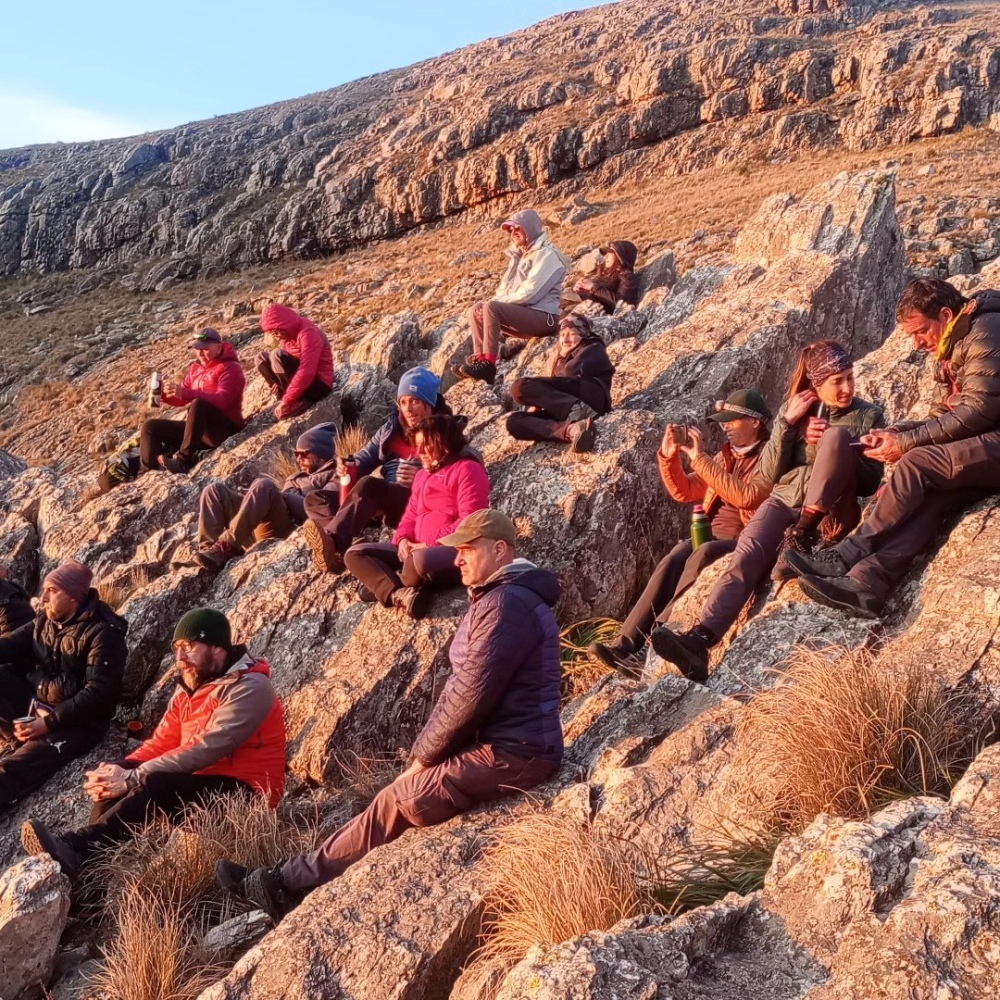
(75, 71)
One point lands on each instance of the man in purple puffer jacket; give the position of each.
(494, 731)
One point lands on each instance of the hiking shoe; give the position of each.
(263, 887)
(366, 595)
(581, 435)
(511, 347)
(617, 657)
(581, 411)
(216, 556)
(477, 368)
(325, 556)
(36, 838)
(688, 651)
(410, 600)
(174, 463)
(797, 540)
(826, 562)
(842, 593)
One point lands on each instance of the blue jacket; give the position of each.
(373, 455)
(504, 683)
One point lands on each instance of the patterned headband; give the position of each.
(826, 361)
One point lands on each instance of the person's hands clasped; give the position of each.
(799, 405)
(34, 730)
(695, 446)
(815, 429)
(882, 445)
(106, 781)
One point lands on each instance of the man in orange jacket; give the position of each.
(223, 733)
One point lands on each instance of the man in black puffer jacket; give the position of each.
(15, 605)
(63, 670)
(563, 406)
(944, 463)
(495, 729)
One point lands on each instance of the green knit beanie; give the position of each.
(205, 625)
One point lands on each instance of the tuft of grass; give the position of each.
(580, 671)
(115, 593)
(363, 776)
(351, 439)
(551, 880)
(846, 733)
(281, 465)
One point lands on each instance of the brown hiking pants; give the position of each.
(425, 798)
(261, 512)
(488, 319)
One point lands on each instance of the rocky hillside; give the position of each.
(900, 905)
(638, 87)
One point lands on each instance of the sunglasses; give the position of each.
(300, 454)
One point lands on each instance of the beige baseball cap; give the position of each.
(485, 523)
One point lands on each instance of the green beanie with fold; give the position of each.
(205, 625)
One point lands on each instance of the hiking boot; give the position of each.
(688, 651)
(174, 463)
(477, 368)
(325, 556)
(581, 435)
(581, 411)
(797, 540)
(410, 600)
(263, 887)
(842, 593)
(36, 838)
(618, 656)
(826, 562)
(216, 556)
(511, 347)
(366, 595)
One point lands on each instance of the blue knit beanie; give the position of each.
(321, 440)
(421, 383)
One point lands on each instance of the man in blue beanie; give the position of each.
(331, 528)
(229, 524)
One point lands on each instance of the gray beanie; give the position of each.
(321, 440)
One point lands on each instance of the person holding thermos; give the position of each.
(725, 496)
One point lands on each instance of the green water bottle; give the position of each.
(701, 527)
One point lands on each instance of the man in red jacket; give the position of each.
(212, 391)
(223, 733)
(300, 371)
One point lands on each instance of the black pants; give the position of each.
(279, 367)
(552, 398)
(674, 574)
(371, 500)
(114, 820)
(31, 764)
(378, 566)
(204, 426)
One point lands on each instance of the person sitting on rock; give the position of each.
(943, 464)
(451, 484)
(725, 486)
(331, 528)
(212, 391)
(563, 406)
(300, 371)
(816, 477)
(15, 605)
(614, 281)
(229, 524)
(60, 681)
(526, 303)
(223, 733)
(494, 731)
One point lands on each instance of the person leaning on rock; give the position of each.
(229, 524)
(331, 528)
(943, 464)
(212, 391)
(223, 733)
(562, 407)
(494, 731)
(60, 680)
(15, 605)
(817, 477)
(614, 280)
(300, 370)
(451, 485)
(526, 303)
(725, 485)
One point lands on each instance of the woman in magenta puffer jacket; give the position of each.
(451, 484)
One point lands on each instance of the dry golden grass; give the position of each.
(117, 593)
(848, 733)
(580, 670)
(551, 880)
(281, 465)
(351, 440)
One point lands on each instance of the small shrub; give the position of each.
(580, 671)
(848, 733)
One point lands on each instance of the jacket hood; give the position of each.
(93, 607)
(228, 354)
(280, 319)
(625, 251)
(987, 301)
(525, 574)
(530, 221)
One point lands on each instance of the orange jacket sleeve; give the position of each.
(684, 487)
(745, 494)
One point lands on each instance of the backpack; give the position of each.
(122, 466)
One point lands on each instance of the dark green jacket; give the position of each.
(786, 461)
